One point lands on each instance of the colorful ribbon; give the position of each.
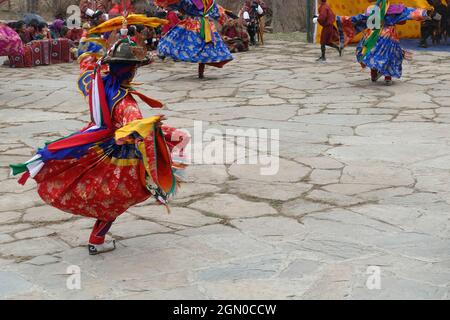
(205, 28)
(371, 41)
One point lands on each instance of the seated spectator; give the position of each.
(21, 28)
(74, 34)
(43, 32)
(30, 31)
(10, 42)
(233, 31)
(56, 29)
(235, 36)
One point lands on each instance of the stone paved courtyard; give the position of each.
(364, 181)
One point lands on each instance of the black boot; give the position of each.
(338, 48)
(322, 57)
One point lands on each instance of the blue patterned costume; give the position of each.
(186, 41)
(386, 56)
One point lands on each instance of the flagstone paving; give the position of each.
(363, 182)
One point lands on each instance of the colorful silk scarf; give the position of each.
(205, 29)
(370, 42)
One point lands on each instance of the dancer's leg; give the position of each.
(388, 80)
(323, 50)
(97, 239)
(332, 45)
(374, 75)
(201, 70)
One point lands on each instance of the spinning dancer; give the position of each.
(119, 159)
(380, 47)
(195, 38)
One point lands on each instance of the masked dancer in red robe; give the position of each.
(119, 159)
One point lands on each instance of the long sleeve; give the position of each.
(323, 16)
(126, 111)
(350, 26)
(415, 14)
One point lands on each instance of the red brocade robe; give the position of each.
(326, 19)
(113, 174)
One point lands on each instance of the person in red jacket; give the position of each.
(329, 36)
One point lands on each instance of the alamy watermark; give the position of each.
(373, 282)
(374, 20)
(242, 146)
(73, 17)
(73, 282)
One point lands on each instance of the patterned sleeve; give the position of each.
(417, 14)
(349, 27)
(126, 111)
(223, 18)
(408, 14)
